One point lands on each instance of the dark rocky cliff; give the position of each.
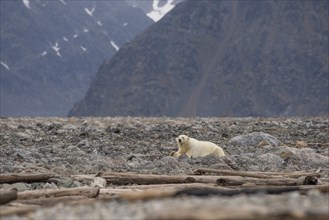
(51, 50)
(220, 58)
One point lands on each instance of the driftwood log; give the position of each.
(251, 190)
(22, 207)
(83, 178)
(143, 179)
(208, 191)
(170, 186)
(238, 181)
(7, 195)
(247, 213)
(46, 202)
(152, 189)
(110, 192)
(24, 177)
(90, 192)
(256, 174)
(17, 209)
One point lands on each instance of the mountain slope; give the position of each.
(51, 50)
(220, 58)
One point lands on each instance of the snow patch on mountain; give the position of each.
(75, 36)
(114, 45)
(90, 11)
(159, 12)
(44, 53)
(85, 30)
(5, 65)
(63, 2)
(44, 5)
(27, 4)
(56, 49)
(83, 48)
(125, 24)
(99, 23)
(64, 38)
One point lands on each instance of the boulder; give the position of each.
(254, 139)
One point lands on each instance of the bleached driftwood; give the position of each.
(131, 195)
(170, 186)
(24, 177)
(238, 181)
(83, 178)
(113, 192)
(90, 192)
(17, 209)
(256, 174)
(241, 212)
(206, 191)
(45, 202)
(119, 190)
(148, 194)
(7, 195)
(308, 180)
(250, 190)
(143, 179)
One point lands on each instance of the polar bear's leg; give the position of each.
(175, 154)
(219, 152)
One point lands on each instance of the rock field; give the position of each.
(67, 146)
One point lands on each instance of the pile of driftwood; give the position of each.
(133, 186)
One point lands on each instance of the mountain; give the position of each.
(51, 50)
(220, 58)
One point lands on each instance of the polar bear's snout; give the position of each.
(181, 139)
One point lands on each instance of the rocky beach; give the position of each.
(66, 147)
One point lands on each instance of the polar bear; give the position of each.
(194, 148)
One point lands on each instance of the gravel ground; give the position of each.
(66, 146)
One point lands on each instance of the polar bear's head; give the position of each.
(183, 146)
(182, 141)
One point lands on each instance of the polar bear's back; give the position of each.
(203, 148)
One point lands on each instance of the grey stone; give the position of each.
(20, 186)
(269, 162)
(253, 139)
(23, 136)
(50, 186)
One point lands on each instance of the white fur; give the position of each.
(194, 148)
